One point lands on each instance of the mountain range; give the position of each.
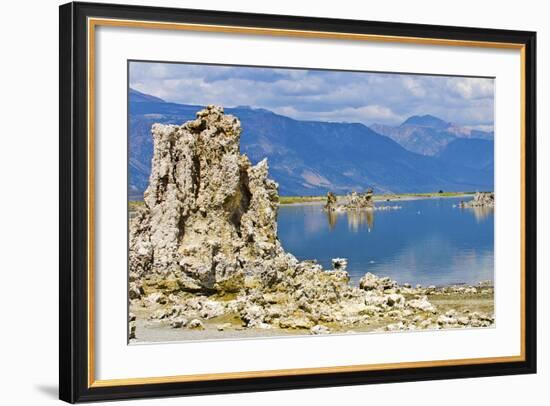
(313, 157)
(428, 135)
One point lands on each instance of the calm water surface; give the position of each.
(427, 242)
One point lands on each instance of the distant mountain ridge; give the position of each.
(426, 121)
(427, 134)
(309, 157)
(138, 97)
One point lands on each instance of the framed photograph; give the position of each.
(256, 202)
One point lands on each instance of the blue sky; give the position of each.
(322, 95)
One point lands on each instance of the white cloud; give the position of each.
(481, 127)
(471, 88)
(322, 95)
(363, 114)
(414, 86)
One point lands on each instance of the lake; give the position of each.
(427, 242)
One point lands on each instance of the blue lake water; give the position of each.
(427, 242)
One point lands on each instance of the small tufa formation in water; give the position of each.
(355, 201)
(204, 245)
(332, 202)
(339, 264)
(360, 200)
(481, 199)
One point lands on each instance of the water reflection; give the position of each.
(358, 219)
(427, 241)
(481, 213)
(433, 260)
(332, 218)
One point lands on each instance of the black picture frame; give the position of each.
(74, 385)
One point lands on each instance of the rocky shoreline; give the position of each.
(204, 254)
(387, 306)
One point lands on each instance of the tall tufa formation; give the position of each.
(209, 215)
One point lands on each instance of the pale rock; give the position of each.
(296, 322)
(395, 300)
(135, 291)
(178, 322)
(463, 320)
(195, 324)
(339, 264)
(446, 320)
(481, 199)
(154, 298)
(253, 315)
(422, 304)
(395, 326)
(319, 329)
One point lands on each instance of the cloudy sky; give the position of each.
(322, 95)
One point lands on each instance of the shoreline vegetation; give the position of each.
(284, 200)
(288, 200)
(205, 260)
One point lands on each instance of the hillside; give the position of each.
(308, 157)
(428, 135)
